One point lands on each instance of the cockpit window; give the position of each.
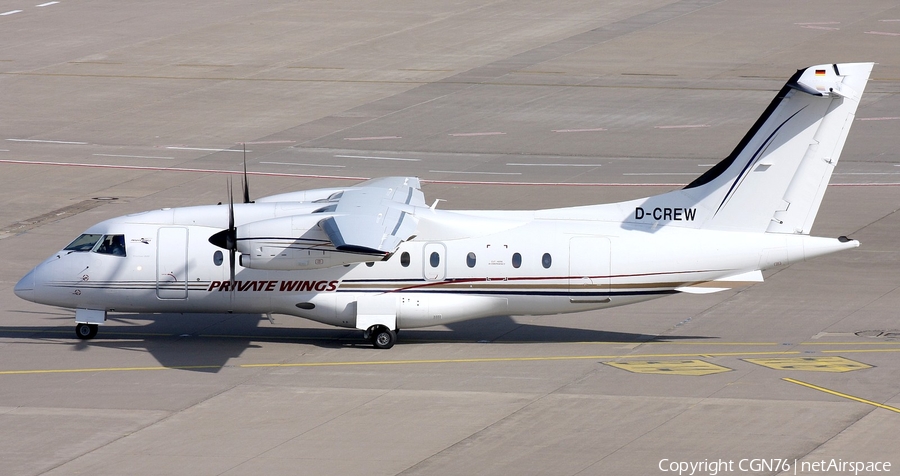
(84, 242)
(112, 245)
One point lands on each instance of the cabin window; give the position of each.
(112, 245)
(546, 260)
(218, 258)
(434, 259)
(470, 260)
(516, 260)
(404, 259)
(84, 242)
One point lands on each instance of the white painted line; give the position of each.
(882, 33)
(897, 19)
(877, 118)
(46, 4)
(580, 130)
(513, 164)
(373, 138)
(376, 158)
(870, 173)
(178, 169)
(473, 173)
(47, 141)
(4, 150)
(206, 150)
(472, 134)
(684, 126)
(304, 165)
(134, 156)
(819, 23)
(706, 165)
(268, 142)
(813, 27)
(11, 12)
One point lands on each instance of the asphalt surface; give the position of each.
(108, 108)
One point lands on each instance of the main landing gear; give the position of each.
(381, 336)
(86, 331)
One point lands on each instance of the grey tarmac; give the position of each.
(111, 108)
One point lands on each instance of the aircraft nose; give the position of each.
(25, 287)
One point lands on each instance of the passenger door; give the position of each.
(589, 269)
(171, 263)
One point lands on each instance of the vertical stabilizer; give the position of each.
(775, 178)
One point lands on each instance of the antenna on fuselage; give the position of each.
(246, 180)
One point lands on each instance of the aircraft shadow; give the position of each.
(208, 342)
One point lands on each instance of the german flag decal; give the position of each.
(820, 72)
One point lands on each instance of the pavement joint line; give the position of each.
(840, 394)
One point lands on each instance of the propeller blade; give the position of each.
(231, 237)
(231, 253)
(230, 207)
(227, 238)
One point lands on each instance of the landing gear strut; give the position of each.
(86, 331)
(381, 337)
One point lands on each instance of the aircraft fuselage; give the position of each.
(528, 267)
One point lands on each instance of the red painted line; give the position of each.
(358, 179)
(553, 184)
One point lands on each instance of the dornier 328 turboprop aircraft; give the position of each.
(375, 257)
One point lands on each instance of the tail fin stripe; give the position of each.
(754, 159)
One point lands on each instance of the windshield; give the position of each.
(112, 245)
(84, 242)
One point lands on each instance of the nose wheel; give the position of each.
(86, 331)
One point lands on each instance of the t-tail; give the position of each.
(775, 178)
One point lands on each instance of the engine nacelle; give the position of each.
(293, 243)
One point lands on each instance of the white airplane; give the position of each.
(376, 257)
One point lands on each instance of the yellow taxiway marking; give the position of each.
(842, 395)
(812, 364)
(858, 351)
(670, 367)
(395, 362)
